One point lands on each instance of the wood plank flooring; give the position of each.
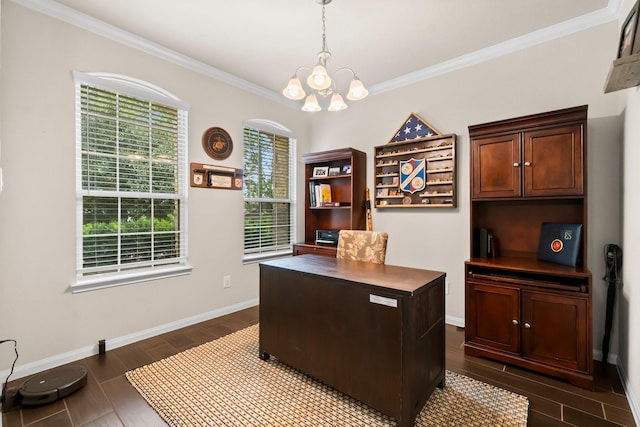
(108, 400)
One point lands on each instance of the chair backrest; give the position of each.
(361, 245)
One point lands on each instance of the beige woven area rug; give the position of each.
(225, 383)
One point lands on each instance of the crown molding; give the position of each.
(553, 32)
(101, 28)
(572, 26)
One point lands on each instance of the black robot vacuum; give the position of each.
(46, 387)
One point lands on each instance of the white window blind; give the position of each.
(131, 183)
(269, 191)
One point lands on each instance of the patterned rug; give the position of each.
(225, 383)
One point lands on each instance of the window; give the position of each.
(269, 190)
(131, 198)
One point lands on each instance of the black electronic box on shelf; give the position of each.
(327, 237)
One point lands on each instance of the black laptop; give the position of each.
(560, 243)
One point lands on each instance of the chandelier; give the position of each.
(320, 84)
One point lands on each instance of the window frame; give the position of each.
(131, 87)
(269, 126)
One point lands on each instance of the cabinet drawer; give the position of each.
(302, 249)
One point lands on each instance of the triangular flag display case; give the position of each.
(416, 168)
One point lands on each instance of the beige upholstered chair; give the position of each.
(361, 245)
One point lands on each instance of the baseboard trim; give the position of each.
(631, 397)
(61, 359)
(455, 321)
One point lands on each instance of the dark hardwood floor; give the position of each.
(109, 400)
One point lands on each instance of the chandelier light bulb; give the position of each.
(337, 103)
(311, 104)
(294, 89)
(357, 91)
(319, 79)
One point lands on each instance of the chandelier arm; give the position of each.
(353, 73)
(300, 68)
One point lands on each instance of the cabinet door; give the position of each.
(492, 317)
(496, 166)
(553, 162)
(554, 330)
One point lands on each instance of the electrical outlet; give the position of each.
(446, 287)
(226, 281)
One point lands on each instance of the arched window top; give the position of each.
(269, 126)
(130, 86)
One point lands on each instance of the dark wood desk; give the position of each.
(374, 332)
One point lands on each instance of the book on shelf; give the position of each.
(312, 195)
(325, 193)
(329, 204)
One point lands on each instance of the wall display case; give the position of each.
(335, 191)
(212, 176)
(420, 173)
(520, 310)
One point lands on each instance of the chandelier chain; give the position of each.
(324, 30)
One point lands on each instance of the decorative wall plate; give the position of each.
(217, 143)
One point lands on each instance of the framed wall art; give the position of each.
(629, 38)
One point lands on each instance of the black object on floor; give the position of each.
(47, 387)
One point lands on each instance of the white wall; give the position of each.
(37, 241)
(37, 205)
(629, 296)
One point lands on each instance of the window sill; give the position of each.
(253, 258)
(101, 281)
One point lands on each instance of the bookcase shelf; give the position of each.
(348, 190)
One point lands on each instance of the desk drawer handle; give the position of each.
(527, 326)
(516, 164)
(514, 321)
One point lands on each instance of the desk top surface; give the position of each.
(404, 279)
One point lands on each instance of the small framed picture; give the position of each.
(628, 34)
(346, 169)
(334, 171)
(197, 178)
(320, 171)
(383, 192)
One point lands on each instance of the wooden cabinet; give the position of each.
(539, 321)
(537, 162)
(524, 172)
(346, 176)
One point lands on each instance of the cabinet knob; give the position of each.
(527, 326)
(514, 321)
(516, 164)
(527, 163)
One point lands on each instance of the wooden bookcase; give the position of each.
(348, 190)
(518, 310)
(438, 187)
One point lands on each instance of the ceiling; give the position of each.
(263, 42)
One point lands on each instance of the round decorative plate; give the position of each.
(217, 143)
